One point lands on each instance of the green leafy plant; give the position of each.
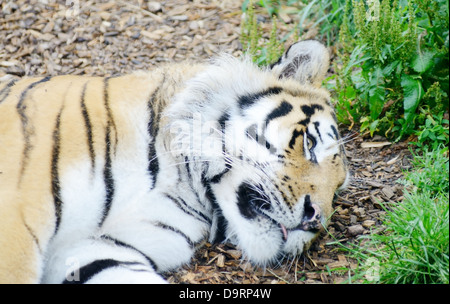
(272, 6)
(263, 51)
(393, 60)
(433, 132)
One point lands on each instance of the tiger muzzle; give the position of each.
(312, 217)
(311, 221)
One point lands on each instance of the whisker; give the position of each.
(344, 140)
(349, 138)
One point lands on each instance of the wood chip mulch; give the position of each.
(45, 37)
(51, 37)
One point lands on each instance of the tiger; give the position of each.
(121, 179)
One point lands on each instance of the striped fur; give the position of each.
(120, 179)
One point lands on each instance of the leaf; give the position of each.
(388, 69)
(376, 93)
(305, 14)
(358, 79)
(376, 101)
(423, 61)
(373, 127)
(412, 92)
(375, 144)
(350, 93)
(357, 57)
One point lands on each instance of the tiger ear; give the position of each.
(305, 61)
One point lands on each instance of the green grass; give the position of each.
(414, 247)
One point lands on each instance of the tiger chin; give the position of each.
(120, 179)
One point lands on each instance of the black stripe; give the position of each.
(108, 108)
(153, 129)
(56, 187)
(208, 191)
(246, 101)
(27, 129)
(107, 169)
(272, 149)
(6, 90)
(333, 114)
(94, 268)
(222, 223)
(188, 209)
(283, 192)
(335, 132)
(304, 122)
(187, 164)
(291, 191)
(222, 122)
(316, 126)
(334, 157)
(108, 176)
(153, 166)
(122, 244)
(310, 110)
(252, 132)
(218, 177)
(295, 134)
(88, 271)
(88, 125)
(282, 110)
(34, 237)
(175, 230)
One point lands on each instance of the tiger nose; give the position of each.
(312, 216)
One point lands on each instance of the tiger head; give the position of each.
(269, 155)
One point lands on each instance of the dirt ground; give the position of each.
(48, 37)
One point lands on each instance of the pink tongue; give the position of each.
(285, 233)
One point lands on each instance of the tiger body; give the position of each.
(118, 179)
